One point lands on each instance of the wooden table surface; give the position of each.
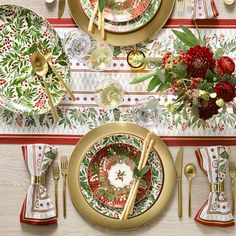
(14, 182)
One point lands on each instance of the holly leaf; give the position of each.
(136, 172)
(143, 171)
(117, 114)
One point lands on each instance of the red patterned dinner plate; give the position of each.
(124, 10)
(110, 174)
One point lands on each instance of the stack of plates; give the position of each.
(101, 174)
(125, 15)
(20, 88)
(127, 22)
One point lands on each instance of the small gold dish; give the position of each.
(136, 60)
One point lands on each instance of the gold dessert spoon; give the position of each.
(40, 67)
(190, 172)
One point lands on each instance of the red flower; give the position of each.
(208, 108)
(225, 65)
(225, 90)
(199, 60)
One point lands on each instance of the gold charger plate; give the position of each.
(123, 39)
(74, 176)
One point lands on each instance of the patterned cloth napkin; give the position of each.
(37, 208)
(216, 211)
(204, 9)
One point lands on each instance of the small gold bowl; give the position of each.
(136, 60)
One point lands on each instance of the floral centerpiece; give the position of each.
(203, 81)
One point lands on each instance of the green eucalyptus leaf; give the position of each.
(160, 75)
(190, 34)
(143, 77)
(184, 38)
(153, 83)
(195, 111)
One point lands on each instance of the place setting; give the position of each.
(123, 86)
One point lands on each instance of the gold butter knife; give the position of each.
(61, 7)
(179, 170)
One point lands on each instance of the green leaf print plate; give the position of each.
(21, 90)
(126, 26)
(105, 189)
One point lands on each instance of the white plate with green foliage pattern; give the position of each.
(21, 90)
(101, 172)
(127, 26)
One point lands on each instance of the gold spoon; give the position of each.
(48, 57)
(40, 66)
(190, 172)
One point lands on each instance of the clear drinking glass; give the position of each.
(149, 111)
(110, 93)
(77, 44)
(100, 56)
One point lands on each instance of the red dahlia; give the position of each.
(225, 90)
(199, 60)
(225, 65)
(208, 108)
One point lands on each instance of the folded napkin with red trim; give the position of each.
(37, 208)
(204, 9)
(216, 210)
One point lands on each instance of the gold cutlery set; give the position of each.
(190, 172)
(180, 5)
(56, 176)
(40, 61)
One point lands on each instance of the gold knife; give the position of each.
(61, 7)
(179, 170)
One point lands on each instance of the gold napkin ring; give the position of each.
(217, 187)
(38, 180)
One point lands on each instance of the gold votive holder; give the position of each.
(136, 60)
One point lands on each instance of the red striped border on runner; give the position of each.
(73, 139)
(171, 23)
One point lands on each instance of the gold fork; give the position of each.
(56, 177)
(180, 5)
(232, 174)
(64, 170)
